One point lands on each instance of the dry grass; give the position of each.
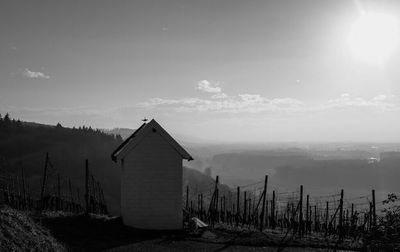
(22, 231)
(18, 232)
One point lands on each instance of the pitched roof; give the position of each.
(140, 133)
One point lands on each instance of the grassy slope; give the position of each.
(18, 232)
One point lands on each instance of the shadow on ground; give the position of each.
(97, 233)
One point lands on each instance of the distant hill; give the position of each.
(123, 132)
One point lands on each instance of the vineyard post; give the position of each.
(238, 206)
(370, 219)
(310, 220)
(18, 192)
(373, 209)
(93, 198)
(233, 211)
(198, 205)
(58, 202)
(87, 186)
(254, 202)
(216, 198)
(352, 214)
(9, 191)
(201, 204)
(187, 197)
(301, 211)
(249, 212)
(220, 205)
(23, 187)
(101, 197)
(273, 210)
(315, 218)
(341, 216)
(326, 218)
(224, 210)
(44, 181)
(104, 200)
(70, 191)
(244, 208)
(263, 204)
(293, 215)
(12, 191)
(78, 197)
(267, 222)
(307, 212)
(230, 199)
(230, 207)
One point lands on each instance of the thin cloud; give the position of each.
(219, 96)
(35, 75)
(380, 102)
(380, 97)
(250, 103)
(208, 87)
(255, 103)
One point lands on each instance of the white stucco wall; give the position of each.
(151, 185)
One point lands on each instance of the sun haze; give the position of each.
(374, 37)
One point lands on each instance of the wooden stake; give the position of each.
(93, 195)
(187, 197)
(244, 208)
(44, 181)
(315, 218)
(23, 187)
(373, 209)
(352, 214)
(238, 206)
(273, 210)
(78, 196)
(249, 213)
(87, 186)
(58, 204)
(70, 191)
(301, 211)
(307, 212)
(326, 218)
(201, 204)
(216, 198)
(198, 205)
(263, 204)
(341, 215)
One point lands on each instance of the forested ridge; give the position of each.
(25, 144)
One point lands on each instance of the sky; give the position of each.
(218, 70)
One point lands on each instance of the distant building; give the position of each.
(151, 178)
(372, 160)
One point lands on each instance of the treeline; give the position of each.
(25, 144)
(19, 138)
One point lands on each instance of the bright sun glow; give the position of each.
(374, 37)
